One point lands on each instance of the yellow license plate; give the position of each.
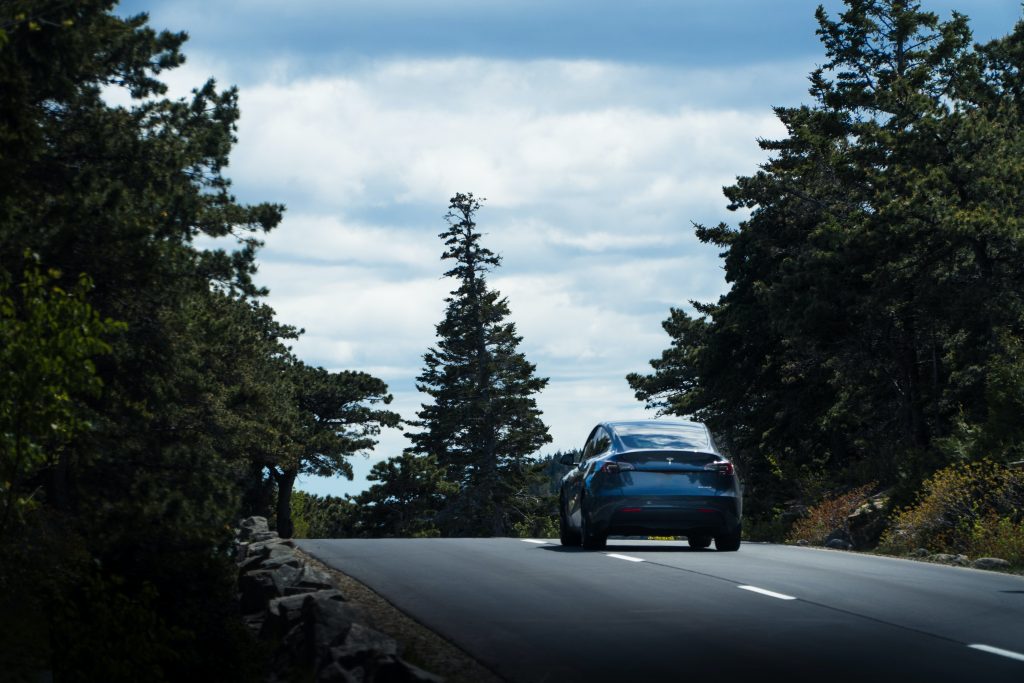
(661, 538)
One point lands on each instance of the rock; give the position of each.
(252, 525)
(792, 513)
(838, 539)
(273, 547)
(249, 564)
(802, 541)
(920, 552)
(946, 558)
(282, 614)
(289, 559)
(254, 622)
(367, 655)
(867, 523)
(313, 578)
(990, 563)
(325, 623)
(256, 588)
(402, 671)
(384, 670)
(336, 673)
(362, 643)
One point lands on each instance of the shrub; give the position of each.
(974, 509)
(829, 515)
(772, 528)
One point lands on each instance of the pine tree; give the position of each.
(483, 422)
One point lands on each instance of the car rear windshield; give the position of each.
(681, 437)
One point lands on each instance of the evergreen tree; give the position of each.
(483, 422)
(410, 492)
(332, 416)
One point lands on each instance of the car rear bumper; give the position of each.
(665, 516)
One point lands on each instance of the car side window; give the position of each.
(602, 442)
(588, 448)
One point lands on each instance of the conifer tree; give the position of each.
(483, 422)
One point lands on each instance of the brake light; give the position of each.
(722, 467)
(613, 467)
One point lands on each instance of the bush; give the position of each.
(975, 509)
(829, 515)
(770, 529)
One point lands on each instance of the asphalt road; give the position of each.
(533, 611)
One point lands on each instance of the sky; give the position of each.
(598, 131)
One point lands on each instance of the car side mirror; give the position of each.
(567, 460)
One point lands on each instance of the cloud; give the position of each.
(520, 134)
(592, 173)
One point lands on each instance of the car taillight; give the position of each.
(612, 467)
(721, 466)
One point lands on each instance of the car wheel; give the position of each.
(590, 538)
(566, 534)
(728, 542)
(699, 542)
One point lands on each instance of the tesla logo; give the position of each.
(669, 460)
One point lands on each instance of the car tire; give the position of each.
(566, 534)
(699, 542)
(590, 539)
(728, 542)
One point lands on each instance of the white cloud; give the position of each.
(519, 134)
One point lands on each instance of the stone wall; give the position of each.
(306, 623)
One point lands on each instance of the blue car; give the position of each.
(650, 477)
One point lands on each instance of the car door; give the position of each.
(572, 483)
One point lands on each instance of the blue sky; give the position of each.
(598, 131)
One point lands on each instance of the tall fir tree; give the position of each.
(483, 422)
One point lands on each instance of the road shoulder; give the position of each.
(422, 646)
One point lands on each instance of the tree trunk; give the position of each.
(285, 482)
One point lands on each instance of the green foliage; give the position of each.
(322, 516)
(873, 324)
(49, 338)
(410, 492)
(331, 416)
(166, 408)
(974, 509)
(769, 528)
(482, 423)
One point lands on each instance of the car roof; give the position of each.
(688, 435)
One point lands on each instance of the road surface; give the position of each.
(532, 610)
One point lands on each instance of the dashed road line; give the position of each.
(771, 594)
(625, 557)
(998, 651)
(533, 540)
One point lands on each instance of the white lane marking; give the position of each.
(997, 651)
(532, 540)
(625, 557)
(772, 594)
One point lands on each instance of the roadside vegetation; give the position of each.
(872, 329)
(974, 509)
(148, 397)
